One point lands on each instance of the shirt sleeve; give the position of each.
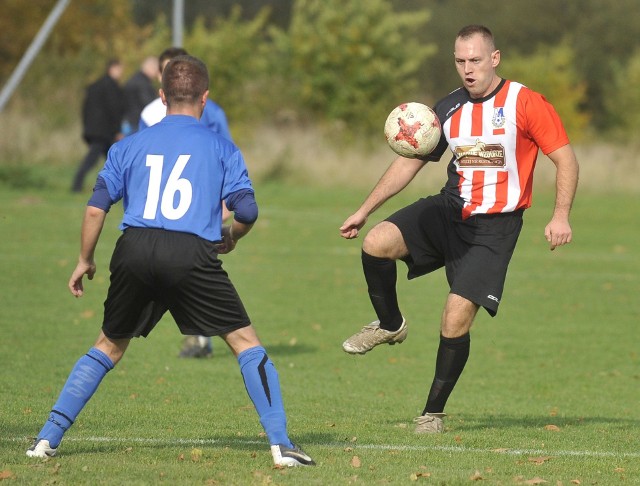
(100, 197)
(244, 206)
(541, 122)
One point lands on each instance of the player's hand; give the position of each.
(228, 243)
(75, 282)
(351, 227)
(558, 232)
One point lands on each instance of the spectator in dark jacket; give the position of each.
(102, 114)
(139, 91)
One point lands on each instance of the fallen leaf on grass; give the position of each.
(355, 461)
(575, 481)
(196, 455)
(416, 476)
(476, 476)
(6, 474)
(535, 480)
(540, 460)
(552, 428)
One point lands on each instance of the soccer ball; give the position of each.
(412, 130)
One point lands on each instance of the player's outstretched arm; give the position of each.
(92, 225)
(395, 179)
(558, 232)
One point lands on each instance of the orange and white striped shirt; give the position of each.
(495, 142)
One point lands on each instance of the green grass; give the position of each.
(551, 391)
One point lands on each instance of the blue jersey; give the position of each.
(174, 175)
(213, 116)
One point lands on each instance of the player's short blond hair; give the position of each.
(476, 29)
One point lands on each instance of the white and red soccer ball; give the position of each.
(412, 130)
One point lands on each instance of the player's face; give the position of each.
(476, 64)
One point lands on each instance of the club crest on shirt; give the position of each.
(498, 119)
(480, 155)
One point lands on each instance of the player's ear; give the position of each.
(162, 96)
(203, 101)
(495, 58)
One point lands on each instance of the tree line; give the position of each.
(342, 63)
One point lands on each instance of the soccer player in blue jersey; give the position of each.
(213, 117)
(172, 178)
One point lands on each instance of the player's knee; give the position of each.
(385, 241)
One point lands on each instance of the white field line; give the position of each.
(349, 445)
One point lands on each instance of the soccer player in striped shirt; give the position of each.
(172, 178)
(494, 127)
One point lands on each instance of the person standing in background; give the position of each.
(213, 116)
(102, 113)
(139, 91)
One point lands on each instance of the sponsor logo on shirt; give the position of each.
(480, 155)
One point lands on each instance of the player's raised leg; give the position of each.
(382, 246)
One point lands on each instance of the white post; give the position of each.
(31, 53)
(178, 22)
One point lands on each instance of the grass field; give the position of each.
(551, 393)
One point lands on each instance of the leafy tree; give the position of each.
(552, 72)
(623, 100)
(237, 56)
(604, 36)
(349, 60)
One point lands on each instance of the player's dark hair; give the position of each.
(169, 54)
(473, 29)
(113, 62)
(185, 80)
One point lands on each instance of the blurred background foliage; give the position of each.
(337, 64)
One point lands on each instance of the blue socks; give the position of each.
(262, 384)
(82, 383)
(259, 374)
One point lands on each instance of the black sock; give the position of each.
(381, 276)
(452, 356)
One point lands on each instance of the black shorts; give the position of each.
(154, 270)
(475, 251)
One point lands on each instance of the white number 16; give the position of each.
(175, 184)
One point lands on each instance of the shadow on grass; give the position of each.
(473, 422)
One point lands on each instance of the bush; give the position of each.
(623, 99)
(551, 72)
(236, 53)
(350, 61)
